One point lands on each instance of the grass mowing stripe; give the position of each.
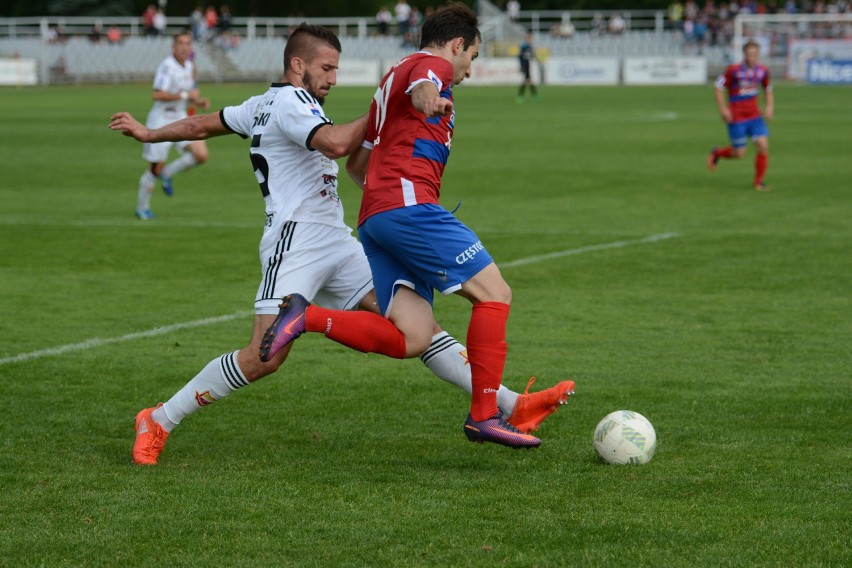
(97, 342)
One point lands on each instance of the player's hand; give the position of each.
(438, 106)
(769, 113)
(128, 125)
(202, 103)
(726, 115)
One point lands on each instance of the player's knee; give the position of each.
(201, 156)
(254, 369)
(415, 345)
(739, 152)
(502, 293)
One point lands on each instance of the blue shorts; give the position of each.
(739, 132)
(422, 247)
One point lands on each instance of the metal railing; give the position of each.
(537, 22)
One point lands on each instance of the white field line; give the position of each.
(98, 342)
(590, 248)
(124, 223)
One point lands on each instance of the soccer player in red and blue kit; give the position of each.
(743, 82)
(412, 243)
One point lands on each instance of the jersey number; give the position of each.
(261, 167)
(381, 97)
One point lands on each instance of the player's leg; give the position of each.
(533, 88)
(760, 135)
(146, 188)
(439, 252)
(445, 356)
(736, 150)
(486, 336)
(362, 331)
(289, 264)
(448, 360)
(219, 378)
(155, 155)
(486, 346)
(761, 162)
(192, 154)
(526, 81)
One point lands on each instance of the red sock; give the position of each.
(363, 331)
(486, 351)
(760, 163)
(726, 152)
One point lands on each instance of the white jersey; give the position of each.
(306, 247)
(171, 77)
(298, 183)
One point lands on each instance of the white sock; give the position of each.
(179, 164)
(447, 359)
(217, 380)
(146, 187)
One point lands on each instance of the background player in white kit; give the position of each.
(306, 247)
(174, 89)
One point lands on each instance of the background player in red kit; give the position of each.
(412, 243)
(742, 114)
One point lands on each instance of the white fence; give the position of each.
(537, 22)
(257, 55)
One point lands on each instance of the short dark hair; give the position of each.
(303, 40)
(449, 22)
(751, 43)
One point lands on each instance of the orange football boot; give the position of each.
(712, 159)
(150, 438)
(532, 408)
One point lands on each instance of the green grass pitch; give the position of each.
(732, 335)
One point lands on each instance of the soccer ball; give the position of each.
(625, 437)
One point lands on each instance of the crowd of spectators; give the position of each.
(209, 25)
(704, 25)
(214, 26)
(713, 24)
(407, 19)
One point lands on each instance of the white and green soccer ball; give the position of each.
(625, 437)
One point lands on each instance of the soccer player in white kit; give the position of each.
(306, 247)
(174, 90)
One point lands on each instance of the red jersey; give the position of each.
(409, 151)
(743, 83)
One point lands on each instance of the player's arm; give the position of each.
(721, 103)
(356, 165)
(427, 99)
(338, 140)
(769, 99)
(198, 127)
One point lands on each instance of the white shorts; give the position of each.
(159, 152)
(326, 265)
